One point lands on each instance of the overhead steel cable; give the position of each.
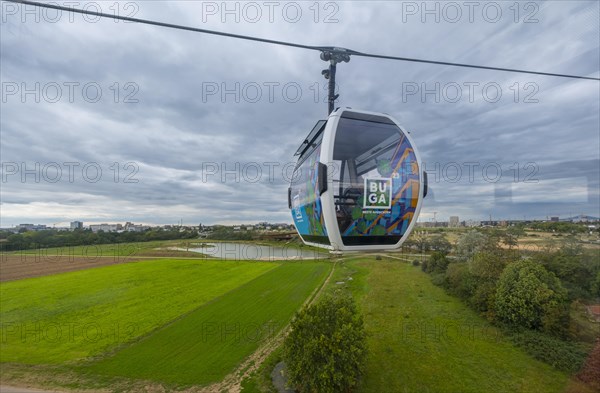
(290, 44)
(472, 66)
(161, 24)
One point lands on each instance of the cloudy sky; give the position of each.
(105, 121)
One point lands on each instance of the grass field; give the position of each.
(187, 322)
(210, 342)
(423, 340)
(68, 316)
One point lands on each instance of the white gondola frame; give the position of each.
(327, 198)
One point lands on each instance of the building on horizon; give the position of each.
(131, 227)
(76, 225)
(105, 227)
(453, 222)
(489, 223)
(31, 227)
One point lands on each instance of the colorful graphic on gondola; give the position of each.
(307, 209)
(375, 216)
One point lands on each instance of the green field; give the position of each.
(423, 340)
(68, 316)
(183, 322)
(210, 342)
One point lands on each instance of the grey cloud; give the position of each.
(174, 131)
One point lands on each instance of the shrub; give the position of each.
(437, 263)
(439, 279)
(484, 297)
(459, 280)
(415, 262)
(529, 296)
(326, 348)
(563, 355)
(596, 286)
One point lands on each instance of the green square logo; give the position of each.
(378, 193)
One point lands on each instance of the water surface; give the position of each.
(248, 251)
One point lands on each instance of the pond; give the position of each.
(249, 251)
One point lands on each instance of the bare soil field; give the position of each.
(16, 267)
(14, 389)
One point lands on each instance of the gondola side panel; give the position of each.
(307, 208)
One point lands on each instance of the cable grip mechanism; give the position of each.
(334, 56)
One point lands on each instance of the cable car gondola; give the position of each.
(358, 183)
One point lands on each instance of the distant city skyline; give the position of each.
(87, 224)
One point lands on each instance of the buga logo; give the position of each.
(378, 193)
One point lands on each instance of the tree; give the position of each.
(530, 296)
(418, 241)
(470, 244)
(575, 267)
(571, 246)
(512, 234)
(486, 268)
(52, 238)
(326, 347)
(439, 243)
